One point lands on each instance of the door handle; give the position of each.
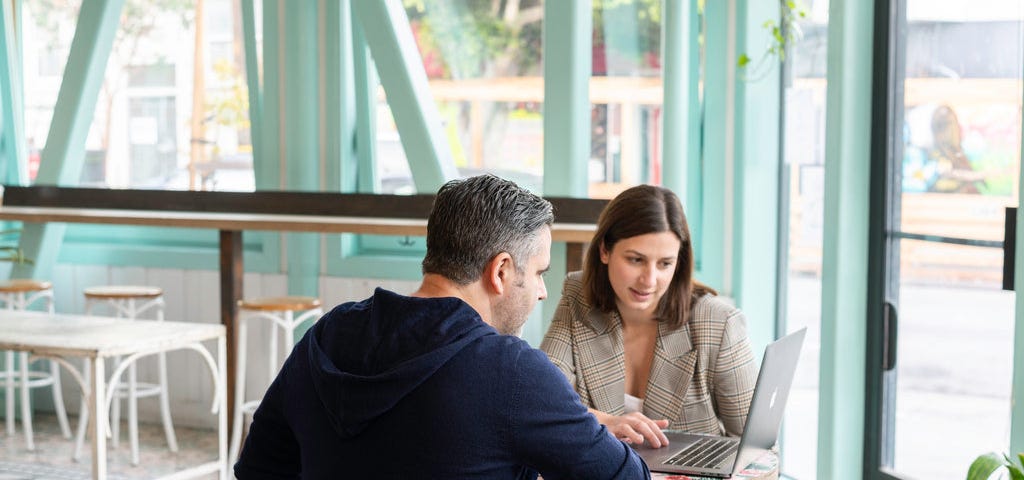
(890, 323)
(1009, 246)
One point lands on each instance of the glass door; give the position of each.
(941, 343)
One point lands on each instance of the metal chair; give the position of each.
(129, 302)
(280, 312)
(20, 295)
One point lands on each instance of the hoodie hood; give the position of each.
(365, 357)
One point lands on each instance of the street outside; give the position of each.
(955, 358)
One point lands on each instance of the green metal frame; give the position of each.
(567, 68)
(756, 160)
(846, 226)
(710, 227)
(61, 159)
(301, 141)
(389, 36)
(12, 122)
(1017, 392)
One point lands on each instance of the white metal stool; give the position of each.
(19, 295)
(281, 313)
(130, 302)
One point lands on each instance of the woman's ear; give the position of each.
(605, 255)
(498, 272)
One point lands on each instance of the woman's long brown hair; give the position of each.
(638, 211)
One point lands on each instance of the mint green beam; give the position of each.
(341, 157)
(709, 229)
(61, 159)
(681, 109)
(268, 169)
(679, 121)
(366, 112)
(264, 163)
(1017, 405)
(755, 223)
(694, 191)
(845, 257)
(302, 134)
(12, 118)
(567, 68)
(252, 78)
(400, 67)
(340, 98)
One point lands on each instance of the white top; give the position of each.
(96, 337)
(634, 404)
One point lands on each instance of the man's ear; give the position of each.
(498, 273)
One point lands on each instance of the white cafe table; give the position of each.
(65, 336)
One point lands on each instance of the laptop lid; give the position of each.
(761, 430)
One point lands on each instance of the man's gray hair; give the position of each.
(475, 219)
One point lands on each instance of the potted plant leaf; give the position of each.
(984, 466)
(11, 253)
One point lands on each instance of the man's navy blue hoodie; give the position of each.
(403, 387)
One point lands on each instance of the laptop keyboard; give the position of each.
(705, 453)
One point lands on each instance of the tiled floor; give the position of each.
(52, 458)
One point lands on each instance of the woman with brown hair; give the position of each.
(645, 345)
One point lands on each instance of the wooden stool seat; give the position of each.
(279, 303)
(24, 286)
(122, 292)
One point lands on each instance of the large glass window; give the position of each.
(484, 63)
(803, 184)
(959, 63)
(173, 108)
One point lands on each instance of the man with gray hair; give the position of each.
(434, 384)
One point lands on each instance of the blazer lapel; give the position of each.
(671, 371)
(604, 371)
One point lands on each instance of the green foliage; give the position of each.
(9, 249)
(474, 38)
(231, 108)
(645, 15)
(782, 35)
(984, 466)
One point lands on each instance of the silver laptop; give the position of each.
(716, 456)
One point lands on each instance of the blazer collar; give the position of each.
(676, 343)
(602, 323)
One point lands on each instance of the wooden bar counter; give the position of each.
(231, 213)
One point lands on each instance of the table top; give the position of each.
(96, 337)
(564, 232)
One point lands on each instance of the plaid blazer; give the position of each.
(702, 375)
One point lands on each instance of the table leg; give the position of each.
(231, 270)
(26, 407)
(97, 428)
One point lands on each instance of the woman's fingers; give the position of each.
(637, 428)
(650, 431)
(626, 433)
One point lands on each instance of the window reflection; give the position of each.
(156, 125)
(484, 62)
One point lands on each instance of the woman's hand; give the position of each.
(634, 428)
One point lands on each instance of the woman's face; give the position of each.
(640, 269)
